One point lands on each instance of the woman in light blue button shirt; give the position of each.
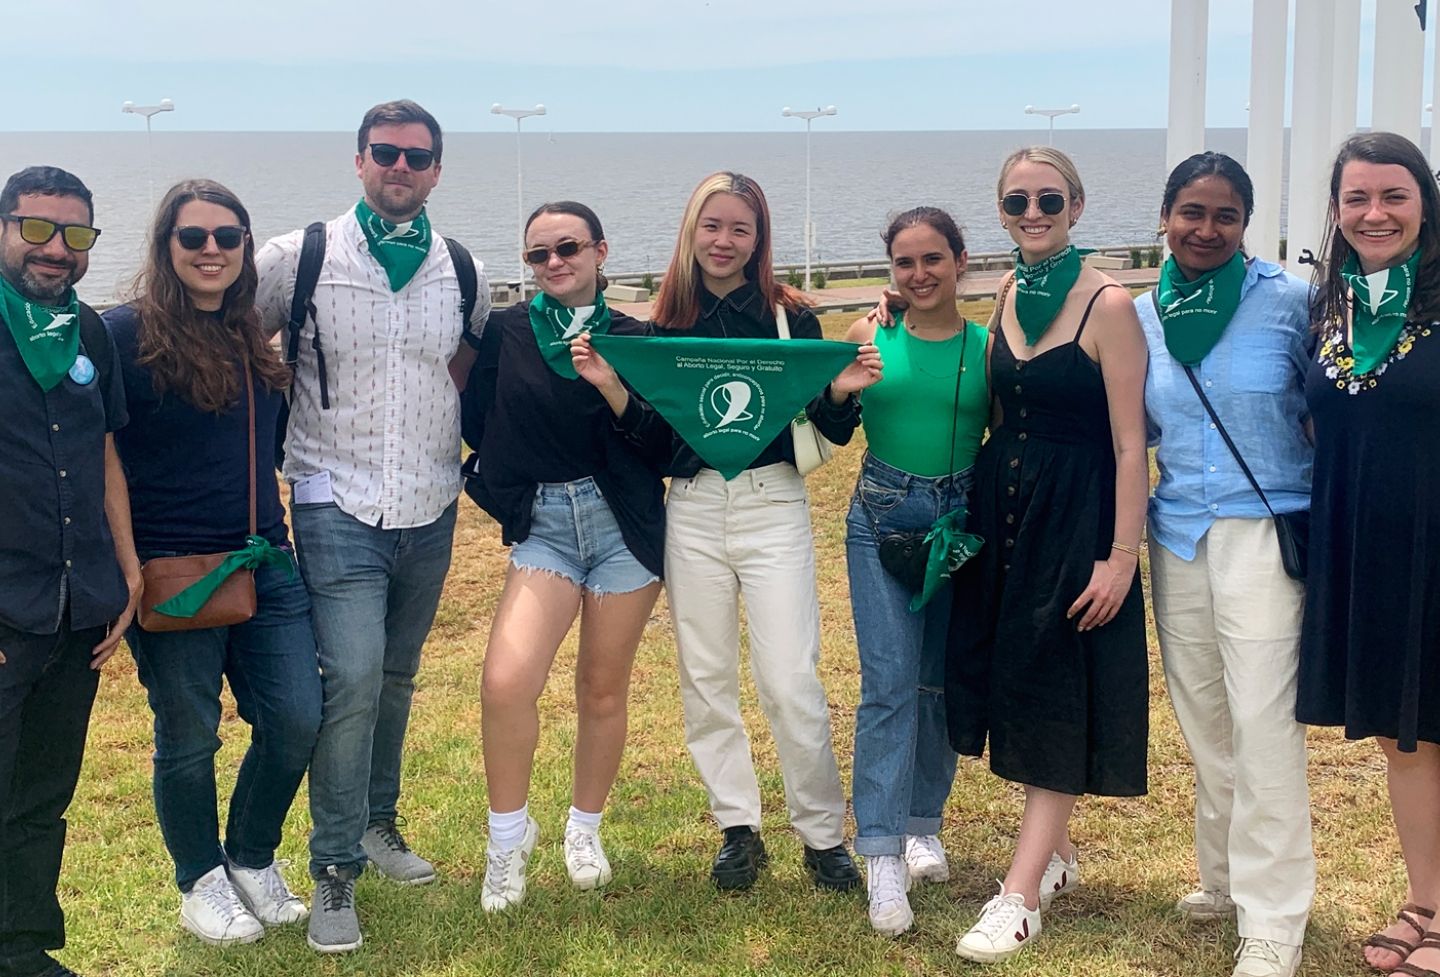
(1227, 614)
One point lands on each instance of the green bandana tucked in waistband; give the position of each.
(555, 325)
(727, 398)
(400, 248)
(1194, 314)
(950, 548)
(1041, 289)
(257, 552)
(48, 335)
(1381, 306)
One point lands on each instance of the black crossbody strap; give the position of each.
(1226, 435)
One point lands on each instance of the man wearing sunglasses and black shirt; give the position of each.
(69, 578)
(372, 456)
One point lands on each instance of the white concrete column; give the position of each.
(1434, 113)
(1344, 70)
(1399, 69)
(1310, 116)
(1189, 24)
(1265, 146)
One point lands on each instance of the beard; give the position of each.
(44, 291)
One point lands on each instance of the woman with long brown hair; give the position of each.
(188, 344)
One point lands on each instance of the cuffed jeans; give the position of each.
(751, 537)
(374, 592)
(271, 665)
(46, 690)
(1229, 626)
(904, 765)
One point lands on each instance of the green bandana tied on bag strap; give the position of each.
(950, 548)
(727, 398)
(48, 336)
(1381, 306)
(1194, 314)
(400, 248)
(555, 325)
(257, 553)
(1041, 289)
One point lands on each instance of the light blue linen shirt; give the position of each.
(1255, 379)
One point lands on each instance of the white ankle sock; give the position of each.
(507, 830)
(584, 820)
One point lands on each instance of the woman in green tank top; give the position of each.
(923, 424)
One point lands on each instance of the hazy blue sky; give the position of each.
(616, 65)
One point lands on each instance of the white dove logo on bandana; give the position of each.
(401, 231)
(1377, 290)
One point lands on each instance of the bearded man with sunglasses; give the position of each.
(373, 459)
(69, 577)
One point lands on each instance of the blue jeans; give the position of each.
(903, 762)
(374, 592)
(573, 534)
(274, 675)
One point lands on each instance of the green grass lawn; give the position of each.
(660, 915)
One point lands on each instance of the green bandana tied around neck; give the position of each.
(257, 552)
(950, 547)
(555, 325)
(1381, 306)
(1194, 314)
(400, 248)
(1041, 288)
(727, 398)
(48, 335)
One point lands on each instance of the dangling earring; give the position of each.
(1005, 225)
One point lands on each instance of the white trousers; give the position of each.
(1229, 625)
(750, 537)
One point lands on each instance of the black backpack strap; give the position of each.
(97, 344)
(312, 256)
(467, 277)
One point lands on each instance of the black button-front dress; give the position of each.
(1370, 642)
(1063, 710)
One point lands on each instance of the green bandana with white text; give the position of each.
(555, 325)
(1381, 306)
(1041, 289)
(400, 248)
(1194, 314)
(727, 398)
(48, 335)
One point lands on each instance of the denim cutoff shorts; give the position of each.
(573, 534)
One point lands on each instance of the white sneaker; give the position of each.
(212, 910)
(1005, 926)
(1060, 876)
(505, 872)
(1206, 904)
(265, 894)
(887, 878)
(585, 859)
(925, 857)
(1265, 958)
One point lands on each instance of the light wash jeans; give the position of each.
(374, 592)
(903, 762)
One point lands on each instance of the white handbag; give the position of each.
(812, 449)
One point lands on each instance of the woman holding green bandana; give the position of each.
(582, 510)
(1227, 614)
(1047, 635)
(188, 345)
(1370, 641)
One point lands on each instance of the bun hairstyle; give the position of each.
(1209, 163)
(574, 208)
(932, 217)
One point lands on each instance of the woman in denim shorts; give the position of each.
(582, 509)
(923, 423)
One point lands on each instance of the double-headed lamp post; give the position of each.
(149, 111)
(518, 115)
(1051, 114)
(809, 115)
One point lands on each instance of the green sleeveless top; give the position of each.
(908, 415)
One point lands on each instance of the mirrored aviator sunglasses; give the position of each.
(227, 238)
(1050, 203)
(38, 230)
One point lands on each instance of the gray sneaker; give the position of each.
(392, 857)
(334, 927)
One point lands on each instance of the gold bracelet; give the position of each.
(1132, 550)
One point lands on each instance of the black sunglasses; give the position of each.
(384, 154)
(565, 249)
(1050, 203)
(38, 230)
(227, 238)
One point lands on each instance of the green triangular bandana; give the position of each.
(555, 325)
(1194, 314)
(400, 248)
(1382, 304)
(727, 398)
(48, 336)
(257, 552)
(950, 547)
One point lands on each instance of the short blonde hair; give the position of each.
(1050, 156)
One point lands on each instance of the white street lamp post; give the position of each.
(1050, 114)
(518, 115)
(809, 115)
(149, 111)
